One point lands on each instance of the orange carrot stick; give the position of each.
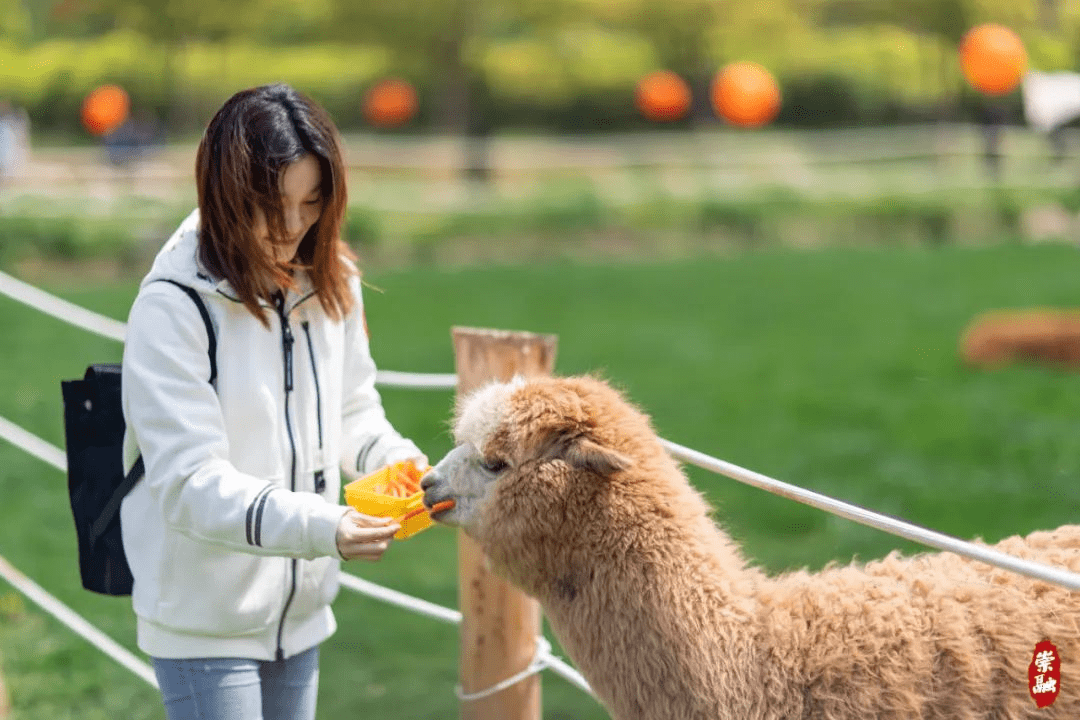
(437, 507)
(444, 505)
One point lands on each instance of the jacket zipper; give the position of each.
(320, 480)
(287, 355)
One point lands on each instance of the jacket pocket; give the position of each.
(248, 590)
(331, 484)
(318, 586)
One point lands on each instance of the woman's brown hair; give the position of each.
(245, 150)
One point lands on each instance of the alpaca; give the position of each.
(1051, 337)
(572, 497)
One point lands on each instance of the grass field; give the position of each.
(835, 370)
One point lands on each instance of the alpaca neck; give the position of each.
(617, 616)
(694, 561)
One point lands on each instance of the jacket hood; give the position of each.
(178, 260)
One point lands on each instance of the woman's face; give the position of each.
(302, 201)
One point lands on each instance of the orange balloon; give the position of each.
(662, 96)
(993, 59)
(390, 103)
(105, 109)
(745, 94)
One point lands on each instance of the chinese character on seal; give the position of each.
(1044, 674)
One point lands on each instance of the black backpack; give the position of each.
(94, 435)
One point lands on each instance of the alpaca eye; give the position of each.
(493, 466)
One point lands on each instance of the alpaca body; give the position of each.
(933, 636)
(574, 499)
(1050, 337)
(884, 640)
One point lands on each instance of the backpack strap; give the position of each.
(212, 351)
(108, 513)
(112, 507)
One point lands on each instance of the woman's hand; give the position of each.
(364, 536)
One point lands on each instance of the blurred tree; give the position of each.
(16, 24)
(681, 34)
(1050, 14)
(292, 21)
(559, 63)
(441, 44)
(172, 24)
(426, 40)
(944, 20)
(948, 19)
(431, 43)
(696, 37)
(179, 21)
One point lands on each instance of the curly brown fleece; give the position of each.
(1049, 337)
(661, 613)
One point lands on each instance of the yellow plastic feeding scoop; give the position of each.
(394, 492)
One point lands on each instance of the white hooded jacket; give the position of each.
(231, 534)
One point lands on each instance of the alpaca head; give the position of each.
(545, 467)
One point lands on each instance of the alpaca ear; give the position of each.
(584, 454)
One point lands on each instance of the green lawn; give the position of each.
(835, 370)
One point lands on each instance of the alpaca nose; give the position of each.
(428, 481)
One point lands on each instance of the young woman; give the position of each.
(235, 534)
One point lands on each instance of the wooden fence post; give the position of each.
(499, 623)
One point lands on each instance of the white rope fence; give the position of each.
(115, 330)
(416, 381)
(32, 444)
(543, 657)
(891, 525)
(40, 597)
(61, 309)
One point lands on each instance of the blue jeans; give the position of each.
(240, 689)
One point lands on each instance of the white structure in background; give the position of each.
(14, 140)
(1050, 99)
